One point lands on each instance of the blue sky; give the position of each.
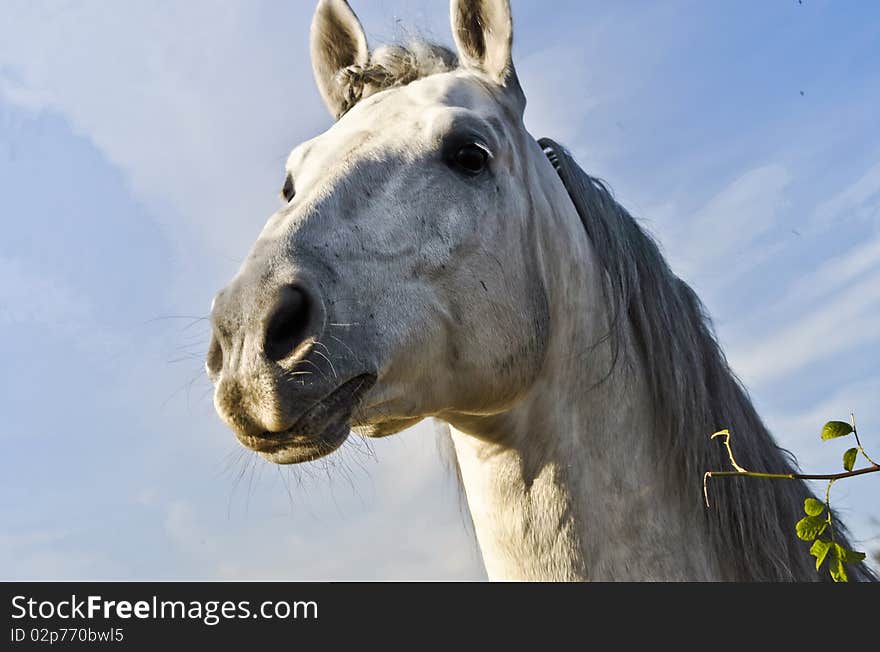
(141, 150)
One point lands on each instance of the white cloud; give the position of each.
(557, 107)
(37, 296)
(832, 307)
(33, 295)
(831, 276)
(858, 201)
(399, 519)
(719, 239)
(851, 320)
(197, 116)
(47, 554)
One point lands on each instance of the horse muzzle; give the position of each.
(286, 394)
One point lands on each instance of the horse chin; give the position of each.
(308, 449)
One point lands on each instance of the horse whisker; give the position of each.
(330, 363)
(348, 348)
(307, 361)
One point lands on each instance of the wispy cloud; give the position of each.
(48, 554)
(389, 522)
(719, 239)
(188, 111)
(34, 295)
(831, 276)
(848, 321)
(859, 201)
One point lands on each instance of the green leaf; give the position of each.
(835, 429)
(809, 527)
(819, 550)
(854, 557)
(849, 458)
(813, 507)
(848, 556)
(838, 570)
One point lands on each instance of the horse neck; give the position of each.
(566, 485)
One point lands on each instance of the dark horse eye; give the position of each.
(471, 159)
(288, 191)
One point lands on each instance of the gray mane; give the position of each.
(695, 393)
(391, 66)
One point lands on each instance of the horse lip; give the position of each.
(324, 424)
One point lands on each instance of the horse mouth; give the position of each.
(318, 432)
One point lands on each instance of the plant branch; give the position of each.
(783, 476)
(806, 528)
(852, 418)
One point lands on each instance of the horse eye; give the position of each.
(288, 191)
(471, 158)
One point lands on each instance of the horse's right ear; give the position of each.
(337, 42)
(483, 32)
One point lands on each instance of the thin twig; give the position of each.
(784, 476)
(852, 418)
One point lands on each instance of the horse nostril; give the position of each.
(214, 360)
(287, 326)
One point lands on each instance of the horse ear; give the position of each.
(337, 42)
(483, 31)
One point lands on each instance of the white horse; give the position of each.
(432, 259)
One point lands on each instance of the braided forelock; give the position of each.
(392, 66)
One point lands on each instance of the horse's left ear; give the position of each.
(337, 42)
(483, 32)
